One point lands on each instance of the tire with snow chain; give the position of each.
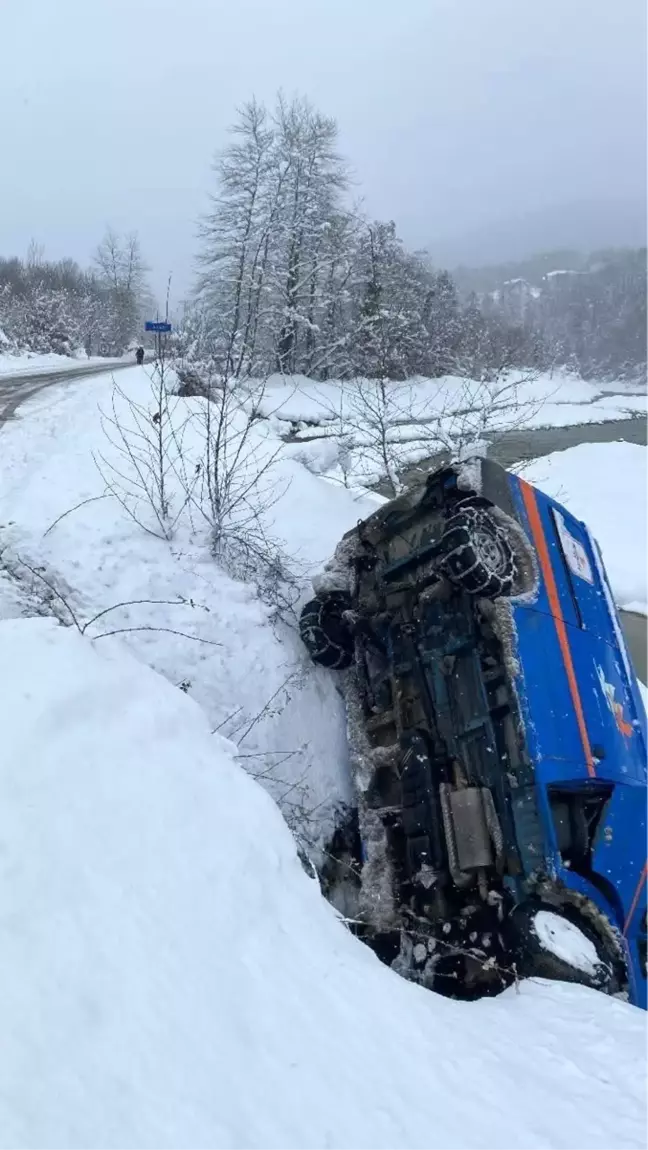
(477, 555)
(325, 632)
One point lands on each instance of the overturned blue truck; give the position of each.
(497, 739)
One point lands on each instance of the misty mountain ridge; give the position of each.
(574, 227)
(536, 270)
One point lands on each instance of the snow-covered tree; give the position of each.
(294, 279)
(444, 324)
(390, 339)
(271, 240)
(121, 271)
(57, 306)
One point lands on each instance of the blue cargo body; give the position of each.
(584, 714)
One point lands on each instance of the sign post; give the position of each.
(160, 328)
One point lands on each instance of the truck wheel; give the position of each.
(548, 944)
(324, 631)
(477, 555)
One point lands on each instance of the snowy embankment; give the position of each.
(172, 978)
(184, 616)
(210, 633)
(349, 431)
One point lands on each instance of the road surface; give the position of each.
(21, 386)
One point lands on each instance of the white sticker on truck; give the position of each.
(573, 550)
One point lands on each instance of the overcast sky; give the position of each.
(453, 113)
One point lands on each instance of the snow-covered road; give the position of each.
(17, 386)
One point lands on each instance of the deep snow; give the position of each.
(231, 656)
(170, 977)
(248, 671)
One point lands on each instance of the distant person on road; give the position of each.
(139, 356)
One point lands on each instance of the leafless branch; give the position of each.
(152, 627)
(77, 506)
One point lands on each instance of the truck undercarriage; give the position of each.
(443, 862)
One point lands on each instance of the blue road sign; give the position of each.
(154, 325)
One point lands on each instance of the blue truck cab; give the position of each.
(497, 740)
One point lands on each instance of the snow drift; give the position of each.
(170, 977)
(605, 485)
(251, 675)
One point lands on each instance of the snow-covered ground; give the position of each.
(248, 670)
(209, 632)
(170, 975)
(297, 397)
(349, 428)
(172, 978)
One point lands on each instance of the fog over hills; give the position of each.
(581, 226)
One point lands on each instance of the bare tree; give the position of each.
(473, 414)
(145, 455)
(35, 254)
(109, 259)
(385, 427)
(237, 488)
(165, 457)
(372, 415)
(122, 271)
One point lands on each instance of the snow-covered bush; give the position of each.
(59, 307)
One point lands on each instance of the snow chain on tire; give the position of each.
(325, 633)
(477, 554)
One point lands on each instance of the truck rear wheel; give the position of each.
(562, 946)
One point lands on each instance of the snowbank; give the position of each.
(251, 674)
(12, 599)
(171, 977)
(295, 398)
(418, 417)
(605, 484)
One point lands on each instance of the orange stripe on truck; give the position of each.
(542, 549)
(635, 900)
